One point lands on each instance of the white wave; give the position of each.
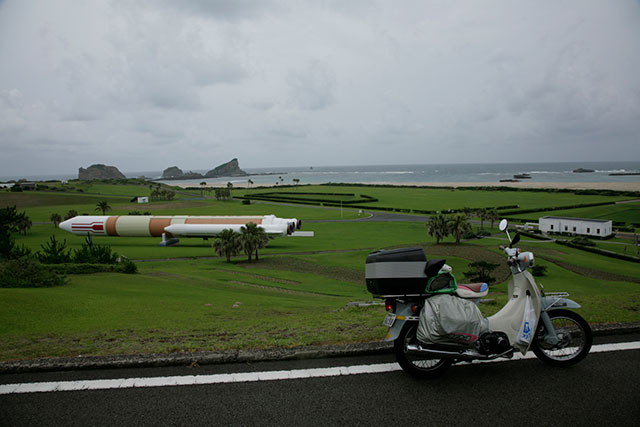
(617, 171)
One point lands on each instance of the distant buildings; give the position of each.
(579, 226)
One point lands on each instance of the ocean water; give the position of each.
(403, 174)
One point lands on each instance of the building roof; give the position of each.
(599, 221)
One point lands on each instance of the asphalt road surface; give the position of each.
(602, 390)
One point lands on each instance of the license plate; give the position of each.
(389, 320)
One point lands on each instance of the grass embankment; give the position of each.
(295, 295)
(441, 199)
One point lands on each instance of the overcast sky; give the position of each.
(148, 84)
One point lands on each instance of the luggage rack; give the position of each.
(555, 298)
(403, 295)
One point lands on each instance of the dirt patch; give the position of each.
(161, 206)
(286, 263)
(274, 288)
(590, 272)
(261, 277)
(472, 253)
(22, 200)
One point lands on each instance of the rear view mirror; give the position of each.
(503, 225)
(516, 239)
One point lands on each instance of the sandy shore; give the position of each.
(617, 186)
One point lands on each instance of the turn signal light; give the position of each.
(414, 309)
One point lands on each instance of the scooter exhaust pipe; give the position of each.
(459, 354)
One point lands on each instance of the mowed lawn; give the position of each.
(442, 199)
(185, 298)
(183, 306)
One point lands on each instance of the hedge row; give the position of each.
(598, 251)
(533, 235)
(278, 197)
(556, 208)
(594, 192)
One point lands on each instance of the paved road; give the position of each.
(601, 390)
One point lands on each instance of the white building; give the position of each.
(580, 226)
(143, 200)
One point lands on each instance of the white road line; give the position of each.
(245, 376)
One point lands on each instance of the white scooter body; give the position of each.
(558, 337)
(509, 318)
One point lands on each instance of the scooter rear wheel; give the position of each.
(575, 339)
(415, 364)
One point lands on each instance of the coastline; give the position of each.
(615, 186)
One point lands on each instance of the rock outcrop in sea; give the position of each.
(231, 168)
(175, 172)
(100, 171)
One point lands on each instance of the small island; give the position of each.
(230, 169)
(100, 171)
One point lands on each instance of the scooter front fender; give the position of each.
(555, 303)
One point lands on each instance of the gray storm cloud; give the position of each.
(123, 83)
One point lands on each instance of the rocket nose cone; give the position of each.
(66, 225)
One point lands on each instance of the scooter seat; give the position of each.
(472, 290)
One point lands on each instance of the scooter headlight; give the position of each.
(525, 260)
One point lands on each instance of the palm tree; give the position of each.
(249, 182)
(248, 237)
(458, 225)
(255, 237)
(493, 215)
(70, 214)
(227, 244)
(483, 214)
(438, 227)
(103, 206)
(296, 181)
(23, 224)
(55, 219)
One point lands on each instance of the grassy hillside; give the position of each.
(184, 298)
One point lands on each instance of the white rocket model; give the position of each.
(170, 227)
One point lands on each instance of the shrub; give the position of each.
(54, 252)
(539, 270)
(95, 254)
(27, 272)
(481, 272)
(469, 235)
(581, 240)
(127, 266)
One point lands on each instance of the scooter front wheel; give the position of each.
(415, 364)
(574, 339)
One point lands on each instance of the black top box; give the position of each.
(396, 272)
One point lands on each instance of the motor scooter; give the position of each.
(530, 320)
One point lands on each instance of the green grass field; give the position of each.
(435, 199)
(185, 299)
(624, 212)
